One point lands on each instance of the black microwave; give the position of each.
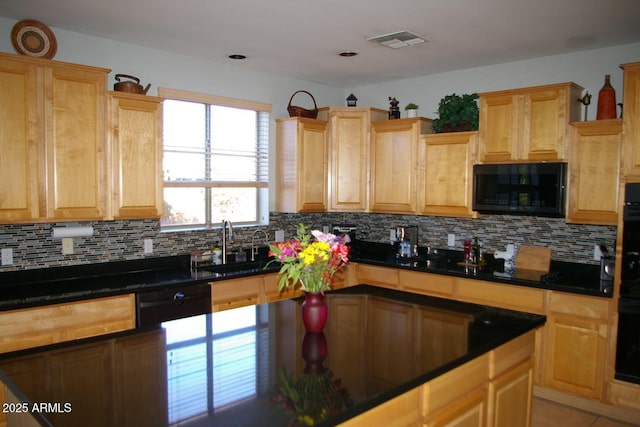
(520, 189)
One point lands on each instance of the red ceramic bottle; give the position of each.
(606, 101)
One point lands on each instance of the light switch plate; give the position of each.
(596, 253)
(279, 235)
(7, 256)
(451, 239)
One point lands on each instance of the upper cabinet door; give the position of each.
(499, 119)
(75, 141)
(136, 162)
(528, 124)
(594, 172)
(301, 165)
(445, 174)
(631, 126)
(349, 139)
(394, 162)
(546, 114)
(19, 139)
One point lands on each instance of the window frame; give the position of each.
(262, 187)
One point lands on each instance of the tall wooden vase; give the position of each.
(606, 101)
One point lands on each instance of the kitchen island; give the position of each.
(385, 355)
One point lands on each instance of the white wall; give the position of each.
(167, 69)
(586, 68)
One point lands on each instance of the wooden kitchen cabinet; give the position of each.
(233, 293)
(438, 285)
(74, 374)
(349, 138)
(458, 398)
(511, 382)
(271, 292)
(390, 325)
(445, 174)
(136, 162)
(594, 172)
(519, 298)
(27, 374)
(450, 330)
(21, 153)
(301, 158)
(394, 164)
(379, 276)
(53, 141)
(631, 132)
(528, 124)
(346, 337)
(139, 375)
(50, 324)
(577, 330)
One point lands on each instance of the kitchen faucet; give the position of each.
(224, 238)
(253, 245)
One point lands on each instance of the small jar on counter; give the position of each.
(217, 256)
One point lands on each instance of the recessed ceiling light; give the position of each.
(237, 56)
(348, 53)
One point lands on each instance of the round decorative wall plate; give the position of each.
(33, 38)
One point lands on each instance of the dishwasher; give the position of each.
(157, 306)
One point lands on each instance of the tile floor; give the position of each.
(550, 414)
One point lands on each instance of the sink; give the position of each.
(242, 267)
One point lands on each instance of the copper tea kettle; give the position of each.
(130, 86)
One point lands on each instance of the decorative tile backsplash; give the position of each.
(33, 246)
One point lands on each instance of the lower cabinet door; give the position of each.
(77, 373)
(468, 411)
(511, 395)
(575, 355)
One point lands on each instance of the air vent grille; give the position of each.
(398, 39)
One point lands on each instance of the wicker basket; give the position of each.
(302, 112)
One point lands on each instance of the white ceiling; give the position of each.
(302, 38)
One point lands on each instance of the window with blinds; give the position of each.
(216, 160)
(212, 361)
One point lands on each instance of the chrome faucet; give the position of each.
(224, 238)
(253, 243)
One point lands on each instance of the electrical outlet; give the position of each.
(67, 246)
(148, 246)
(392, 235)
(7, 256)
(451, 239)
(325, 228)
(279, 235)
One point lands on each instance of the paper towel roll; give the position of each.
(62, 232)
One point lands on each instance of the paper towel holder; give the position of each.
(71, 231)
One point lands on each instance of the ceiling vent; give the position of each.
(398, 39)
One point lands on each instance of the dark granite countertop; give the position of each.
(35, 287)
(229, 368)
(563, 276)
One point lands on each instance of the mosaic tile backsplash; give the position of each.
(33, 246)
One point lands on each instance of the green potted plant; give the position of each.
(411, 109)
(457, 113)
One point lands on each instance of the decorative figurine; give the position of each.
(585, 100)
(351, 100)
(394, 110)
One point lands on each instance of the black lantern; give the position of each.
(351, 100)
